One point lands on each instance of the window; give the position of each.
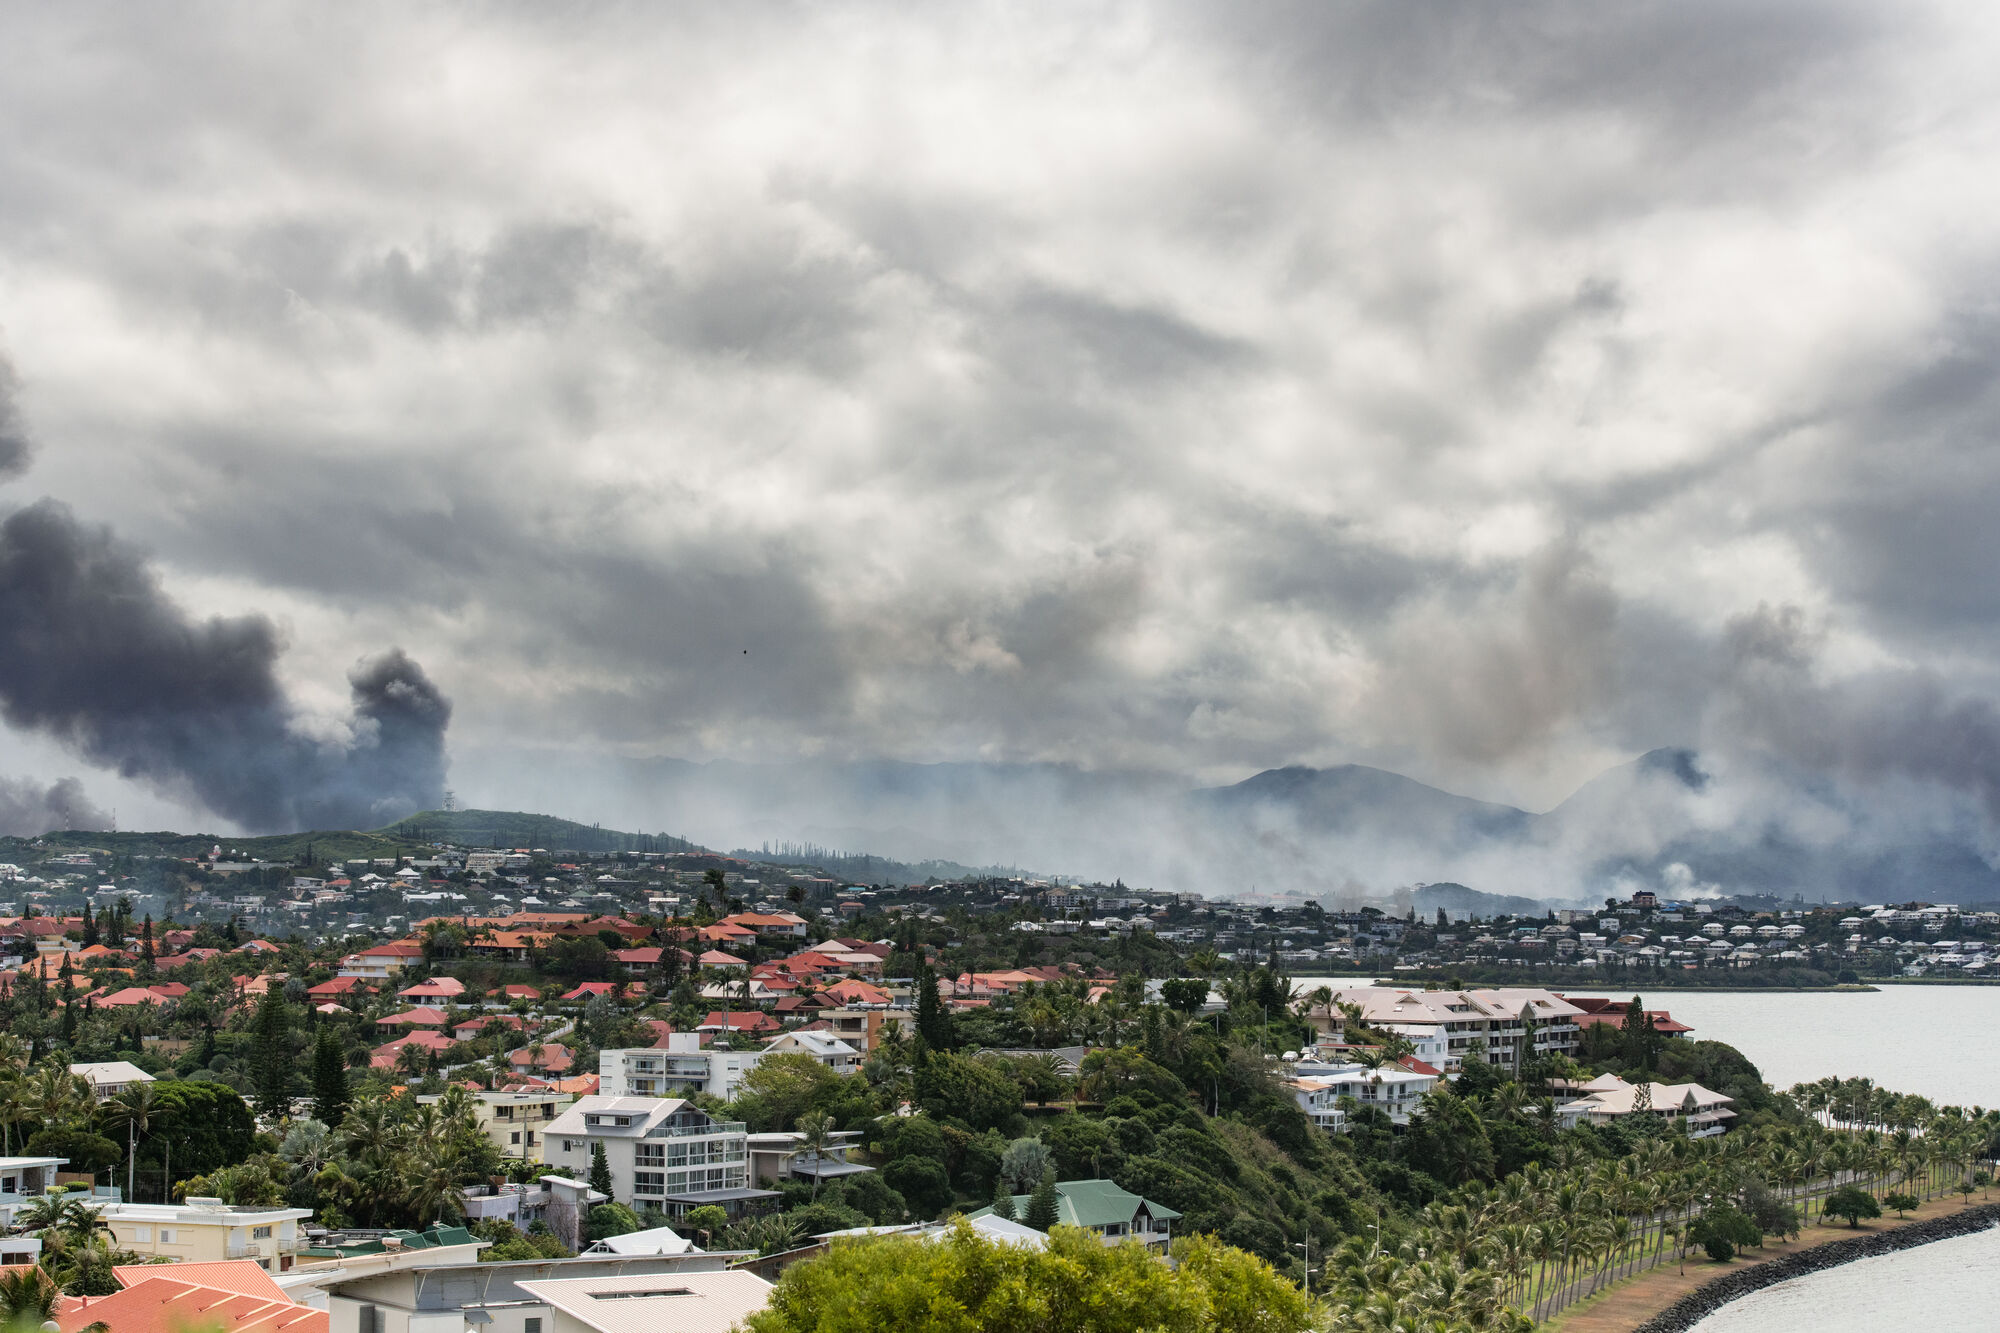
(370, 1319)
(515, 1137)
(649, 1182)
(168, 1235)
(260, 1233)
(142, 1233)
(569, 1145)
(532, 1324)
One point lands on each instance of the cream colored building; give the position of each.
(516, 1121)
(209, 1231)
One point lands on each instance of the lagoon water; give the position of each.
(1930, 1040)
(1944, 1287)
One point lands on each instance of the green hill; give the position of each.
(518, 828)
(317, 847)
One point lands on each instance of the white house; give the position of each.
(1608, 1097)
(663, 1152)
(681, 1067)
(682, 1303)
(829, 1050)
(1393, 1089)
(111, 1077)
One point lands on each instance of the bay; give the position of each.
(1944, 1287)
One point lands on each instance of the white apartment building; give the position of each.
(662, 1151)
(681, 1067)
(1391, 1089)
(1494, 1019)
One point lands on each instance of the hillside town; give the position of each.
(528, 1077)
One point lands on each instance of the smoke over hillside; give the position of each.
(95, 654)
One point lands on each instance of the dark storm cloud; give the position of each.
(29, 809)
(93, 653)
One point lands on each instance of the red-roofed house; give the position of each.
(385, 1056)
(381, 962)
(717, 958)
(437, 988)
(551, 1057)
(134, 995)
(854, 994)
(520, 993)
(167, 1301)
(338, 987)
(738, 1021)
(423, 1016)
(472, 1027)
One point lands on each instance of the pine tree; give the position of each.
(933, 1020)
(146, 939)
(1044, 1205)
(68, 1002)
(1003, 1200)
(600, 1169)
(90, 935)
(329, 1078)
(274, 1055)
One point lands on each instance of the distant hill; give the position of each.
(314, 847)
(1354, 800)
(520, 828)
(1458, 901)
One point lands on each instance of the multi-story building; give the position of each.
(516, 1121)
(209, 1230)
(663, 1152)
(110, 1077)
(824, 1047)
(1448, 1025)
(678, 1068)
(1393, 1089)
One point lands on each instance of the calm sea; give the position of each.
(1930, 1040)
(1945, 1287)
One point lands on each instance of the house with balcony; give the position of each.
(679, 1069)
(1607, 1098)
(663, 1152)
(515, 1121)
(1393, 1089)
(1102, 1208)
(208, 1231)
(824, 1047)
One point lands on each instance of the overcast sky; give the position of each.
(1490, 393)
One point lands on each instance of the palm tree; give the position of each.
(135, 1105)
(815, 1137)
(28, 1296)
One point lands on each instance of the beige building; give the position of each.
(517, 1121)
(209, 1231)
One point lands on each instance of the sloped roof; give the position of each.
(165, 1304)
(245, 1277)
(1090, 1203)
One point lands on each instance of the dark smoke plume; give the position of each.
(28, 809)
(13, 431)
(92, 651)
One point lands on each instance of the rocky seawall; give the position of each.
(1711, 1296)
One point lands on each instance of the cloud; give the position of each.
(1183, 390)
(13, 430)
(93, 653)
(29, 809)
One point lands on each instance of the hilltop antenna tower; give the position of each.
(450, 800)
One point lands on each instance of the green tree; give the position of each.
(600, 1168)
(1044, 1205)
(329, 1077)
(1853, 1203)
(1900, 1204)
(274, 1055)
(934, 1023)
(967, 1284)
(780, 1089)
(1003, 1199)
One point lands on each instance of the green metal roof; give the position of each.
(1091, 1203)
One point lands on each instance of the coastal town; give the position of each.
(549, 1078)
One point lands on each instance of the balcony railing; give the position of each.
(690, 1131)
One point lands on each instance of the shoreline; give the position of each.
(1663, 1300)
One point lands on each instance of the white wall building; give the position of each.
(663, 1152)
(110, 1078)
(1495, 1020)
(682, 1067)
(1392, 1089)
(824, 1047)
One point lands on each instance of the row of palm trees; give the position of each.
(1513, 1255)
